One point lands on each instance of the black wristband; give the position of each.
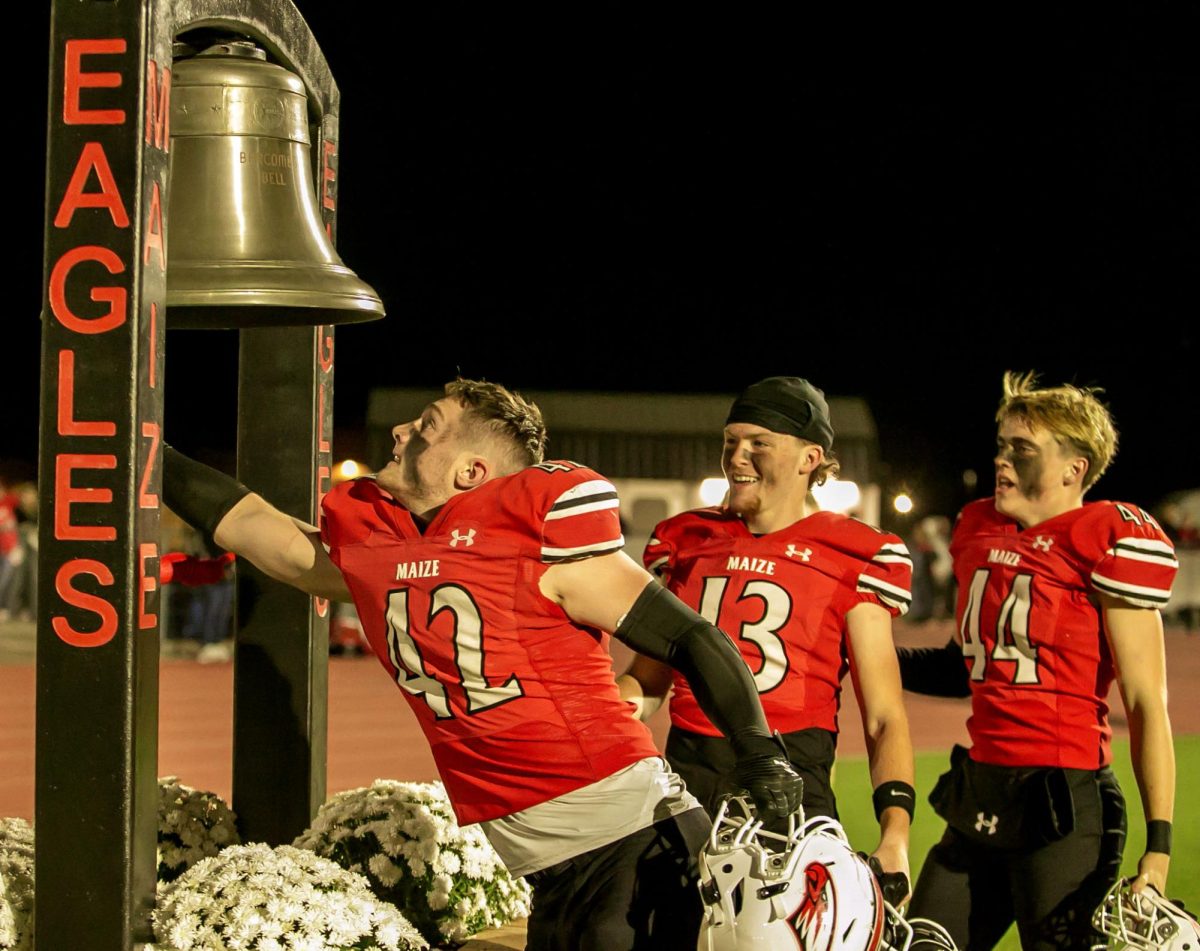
(894, 792)
(1158, 836)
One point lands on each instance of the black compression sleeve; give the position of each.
(198, 494)
(661, 626)
(934, 671)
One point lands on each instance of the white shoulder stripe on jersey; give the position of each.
(583, 508)
(892, 589)
(888, 593)
(598, 548)
(1135, 593)
(1151, 548)
(1135, 554)
(1146, 544)
(882, 559)
(584, 490)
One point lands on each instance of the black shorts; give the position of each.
(638, 892)
(1049, 886)
(706, 764)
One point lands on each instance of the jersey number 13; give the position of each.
(763, 633)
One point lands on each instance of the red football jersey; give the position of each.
(783, 598)
(518, 703)
(1032, 633)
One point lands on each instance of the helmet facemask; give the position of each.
(1145, 921)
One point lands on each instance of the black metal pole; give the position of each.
(281, 660)
(101, 417)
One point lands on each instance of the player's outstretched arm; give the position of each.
(934, 671)
(646, 684)
(1136, 637)
(246, 524)
(611, 592)
(876, 678)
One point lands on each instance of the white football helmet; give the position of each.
(808, 889)
(1144, 922)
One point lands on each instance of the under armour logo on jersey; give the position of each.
(982, 822)
(802, 555)
(1043, 542)
(456, 536)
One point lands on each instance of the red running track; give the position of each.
(373, 735)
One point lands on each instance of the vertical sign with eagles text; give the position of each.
(103, 318)
(101, 425)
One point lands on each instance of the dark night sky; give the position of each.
(600, 205)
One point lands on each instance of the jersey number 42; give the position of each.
(468, 634)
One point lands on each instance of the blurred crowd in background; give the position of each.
(18, 550)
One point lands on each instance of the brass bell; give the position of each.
(246, 246)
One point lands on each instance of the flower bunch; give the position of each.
(192, 825)
(16, 885)
(447, 880)
(256, 898)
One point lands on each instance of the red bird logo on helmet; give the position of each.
(814, 918)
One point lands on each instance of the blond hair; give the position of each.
(493, 410)
(1073, 415)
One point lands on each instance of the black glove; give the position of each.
(894, 885)
(763, 770)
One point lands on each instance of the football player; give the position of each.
(1057, 596)
(484, 578)
(807, 596)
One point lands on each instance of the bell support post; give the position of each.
(281, 662)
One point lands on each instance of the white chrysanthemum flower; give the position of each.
(404, 838)
(385, 870)
(454, 930)
(16, 884)
(192, 824)
(417, 867)
(285, 899)
(449, 863)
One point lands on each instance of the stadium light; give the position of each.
(903, 503)
(348, 469)
(712, 491)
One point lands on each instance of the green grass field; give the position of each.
(851, 784)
